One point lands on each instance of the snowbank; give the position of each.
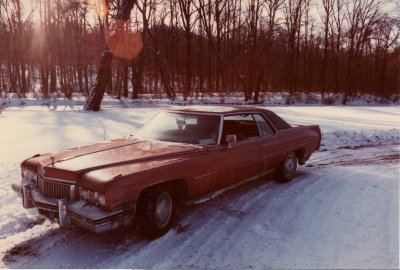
(358, 138)
(237, 98)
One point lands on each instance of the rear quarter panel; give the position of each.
(305, 138)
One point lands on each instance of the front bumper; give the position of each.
(76, 212)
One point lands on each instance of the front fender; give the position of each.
(122, 184)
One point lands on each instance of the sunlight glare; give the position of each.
(123, 43)
(99, 7)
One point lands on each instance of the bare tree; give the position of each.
(326, 17)
(387, 36)
(148, 8)
(188, 10)
(104, 71)
(194, 47)
(211, 15)
(272, 7)
(337, 28)
(362, 17)
(255, 65)
(292, 14)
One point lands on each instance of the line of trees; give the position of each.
(192, 47)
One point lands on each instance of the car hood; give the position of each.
(71, 163)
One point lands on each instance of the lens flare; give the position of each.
(123, 43)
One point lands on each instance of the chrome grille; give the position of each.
(56, 189)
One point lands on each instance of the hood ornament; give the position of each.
(52, 160)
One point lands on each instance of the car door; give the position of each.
(243, 159)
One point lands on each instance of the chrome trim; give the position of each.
(220, 191)
(103, 227)
(252, 115)
(269, 122)
(258, 126)
(163, 209)
(244, 112)
(54, 189)
(81, 214)
(63, 217)
(63, 181)
(72, 192)
(203, 175)
(26, 196)
(192, 112)
(17, 189)
(250, 140)
(272, 124)
(221, 126)
(257, 112)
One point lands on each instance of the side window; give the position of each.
(243, 126)
(278, 122)
(263, 125)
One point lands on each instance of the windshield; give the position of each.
(182, 128)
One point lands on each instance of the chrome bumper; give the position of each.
(76, 212)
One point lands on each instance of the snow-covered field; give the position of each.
(341, 211)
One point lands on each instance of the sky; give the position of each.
(391, 7)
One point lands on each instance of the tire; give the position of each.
(155, 212)
(287, 170)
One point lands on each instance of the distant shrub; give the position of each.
(289, 99)
(329, 100)
(311, 98)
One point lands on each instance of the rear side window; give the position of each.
(263, 125)
(278, 122)
(243, 126)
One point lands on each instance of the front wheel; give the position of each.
(287, 169)
(155, 212)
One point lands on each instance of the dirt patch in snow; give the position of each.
(386, 159)
(23, 249)
(351, 156)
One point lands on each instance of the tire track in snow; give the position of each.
(267, 210)
(193, 239)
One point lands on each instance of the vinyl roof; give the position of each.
(213, 109)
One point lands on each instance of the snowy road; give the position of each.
(341, 211)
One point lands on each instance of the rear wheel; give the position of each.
(287, 169)
(155, 211)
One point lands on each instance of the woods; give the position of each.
(196, 47)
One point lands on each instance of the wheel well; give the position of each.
(300, 154)
(178, 186)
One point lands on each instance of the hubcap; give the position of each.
(163, 209)
(289, 165)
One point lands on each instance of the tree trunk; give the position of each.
(136, 82)
(125, 81)
(104, 71)
(102, 80)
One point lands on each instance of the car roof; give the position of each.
(213, 109)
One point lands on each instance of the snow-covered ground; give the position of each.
(341, 211)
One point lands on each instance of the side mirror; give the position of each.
(230, 139)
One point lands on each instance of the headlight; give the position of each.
(28, 174)
(101, 199)
(93, 197)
